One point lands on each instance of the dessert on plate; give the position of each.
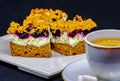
(68, 37)
(44, 30)
(30, 40)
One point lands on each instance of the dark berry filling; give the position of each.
(53, 34)
(80, 31)
(57, 33)
(45, 32)
(36, 34)
(85, 32)
(30, 26)
(52, 31)
(73, 33)
(23, 35)
(17, 33)
(28, 29)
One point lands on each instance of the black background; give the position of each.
(106, 13)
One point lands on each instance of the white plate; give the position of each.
(73, 70)
(44, 67)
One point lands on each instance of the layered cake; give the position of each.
(68, 37)
(29, 40)
(44, 30)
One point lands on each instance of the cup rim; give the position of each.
(100, 46)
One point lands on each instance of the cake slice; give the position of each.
(30, 40)
(68, 37)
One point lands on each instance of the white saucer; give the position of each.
(73, 70)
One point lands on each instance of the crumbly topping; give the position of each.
(76, 24)
(13, 27)
(38, 20)
(79, 24)
(41, 19)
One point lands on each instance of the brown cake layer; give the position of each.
(67, 49)
(30, 51)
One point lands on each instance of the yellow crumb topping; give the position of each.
(78, 18)
(79, 24)
(76, 24)
(40, 19)
(13, 27)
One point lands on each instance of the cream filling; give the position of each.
(29, 41)
(65, 39)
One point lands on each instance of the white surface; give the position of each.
(75, 69)
(44, 67)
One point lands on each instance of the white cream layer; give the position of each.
(65, 39)
(29, 41)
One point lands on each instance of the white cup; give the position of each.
(103, 60)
